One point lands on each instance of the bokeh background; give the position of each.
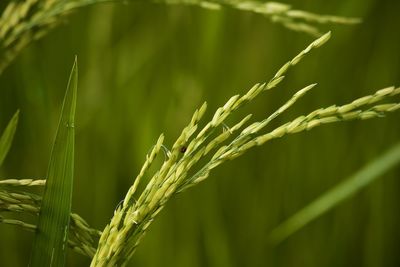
(144, 68)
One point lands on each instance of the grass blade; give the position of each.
(8, 136)
(336, 195)
(49, 248)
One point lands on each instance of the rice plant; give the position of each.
(202, 145)
(22, 22)
(132, 219)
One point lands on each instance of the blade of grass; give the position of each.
(8, 136)
(336, 195)
(49, 248)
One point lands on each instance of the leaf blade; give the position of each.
(344, 190)
(52, 233)
(8, 136)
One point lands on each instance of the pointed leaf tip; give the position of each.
(50, 242)
(70, 97)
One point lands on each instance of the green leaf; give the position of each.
(50, 244)
(8, 136)
(336, 195)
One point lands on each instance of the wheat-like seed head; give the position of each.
(297, 20)
(23, 22)
(130, 222)
(82, 239)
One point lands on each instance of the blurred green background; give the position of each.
(144, 68)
